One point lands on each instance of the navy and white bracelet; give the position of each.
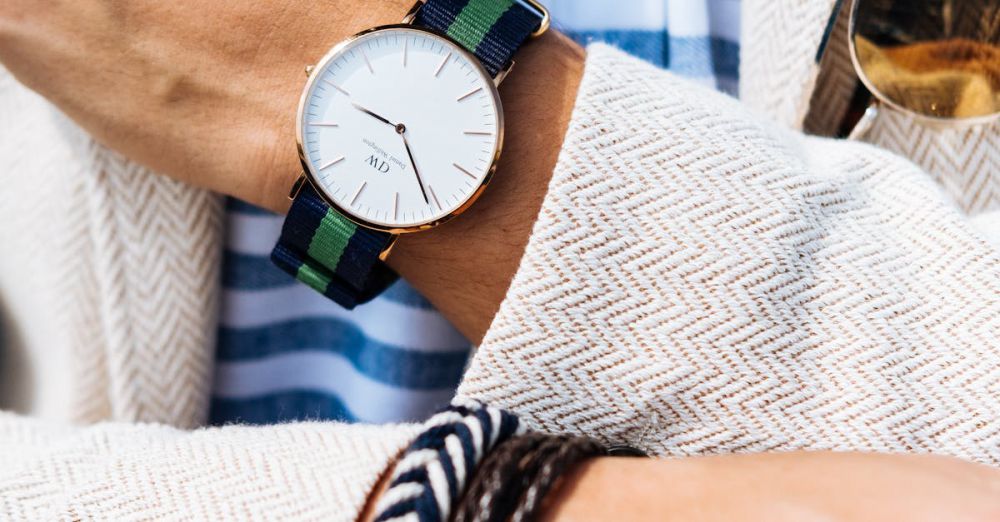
(435, 469)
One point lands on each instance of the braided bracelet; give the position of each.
(516, 477)
(479, 458)
(435, 468)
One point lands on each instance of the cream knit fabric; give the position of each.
(699, 281)
(109, 276)
(779, 76)
(307, 471)
(702, 281)
(779, 40)
(964, 160)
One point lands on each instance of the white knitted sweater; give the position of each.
(699, 281)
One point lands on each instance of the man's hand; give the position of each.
(206, 92)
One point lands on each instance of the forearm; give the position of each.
(797, 486)
(465, 266)
(216, 108)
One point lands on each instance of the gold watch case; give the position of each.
(307, 168)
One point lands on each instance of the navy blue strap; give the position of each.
(330, 253)
(493, 30)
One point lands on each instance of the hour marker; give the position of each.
(479, 133)
(332, 163)
(367, 62)
(443, 62)
(335, 86)
(322, 124)
(395, 207)
(467, 173)
(470, 93)
(358, 192)
(433, 195)
(406, 44)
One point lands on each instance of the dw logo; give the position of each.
(378, 164)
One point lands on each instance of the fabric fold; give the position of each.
(702, 280)
(304, 471)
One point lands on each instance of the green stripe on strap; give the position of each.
(331, 238)
(317, 279)
(328, 245)
(475, 20)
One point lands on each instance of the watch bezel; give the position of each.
(307, 167)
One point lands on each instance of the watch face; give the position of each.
(400, 128)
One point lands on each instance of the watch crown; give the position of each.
(309, 70)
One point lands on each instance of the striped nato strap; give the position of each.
(493, 30)
(327, 251)
(330, 253)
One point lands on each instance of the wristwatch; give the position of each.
(399, 130)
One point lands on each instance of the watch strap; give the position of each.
(493, 30)
(330, 253)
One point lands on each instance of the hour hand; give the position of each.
(373, 115)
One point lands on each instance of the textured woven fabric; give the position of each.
(109, 275)
(491, 29)
(778, 67)
(307, 471)
(700, 280)
(284, 353)
(964, 160)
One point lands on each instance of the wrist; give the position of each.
(323, 28)
(465, 266)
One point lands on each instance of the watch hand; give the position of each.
(373, 115)
(401, 130)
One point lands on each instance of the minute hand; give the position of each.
(402, 133)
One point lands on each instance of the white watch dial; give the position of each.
(399, 128)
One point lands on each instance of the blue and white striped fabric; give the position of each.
(286, 353)
(698, 39)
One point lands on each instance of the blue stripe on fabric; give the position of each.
(288, 406)
(237, 205)
(652, 46)
(691, 56)
(381, 362)
(250, 272)
(702, 56)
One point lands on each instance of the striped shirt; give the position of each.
(287, 353)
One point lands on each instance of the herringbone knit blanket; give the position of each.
(699, 280)
(702, 281)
